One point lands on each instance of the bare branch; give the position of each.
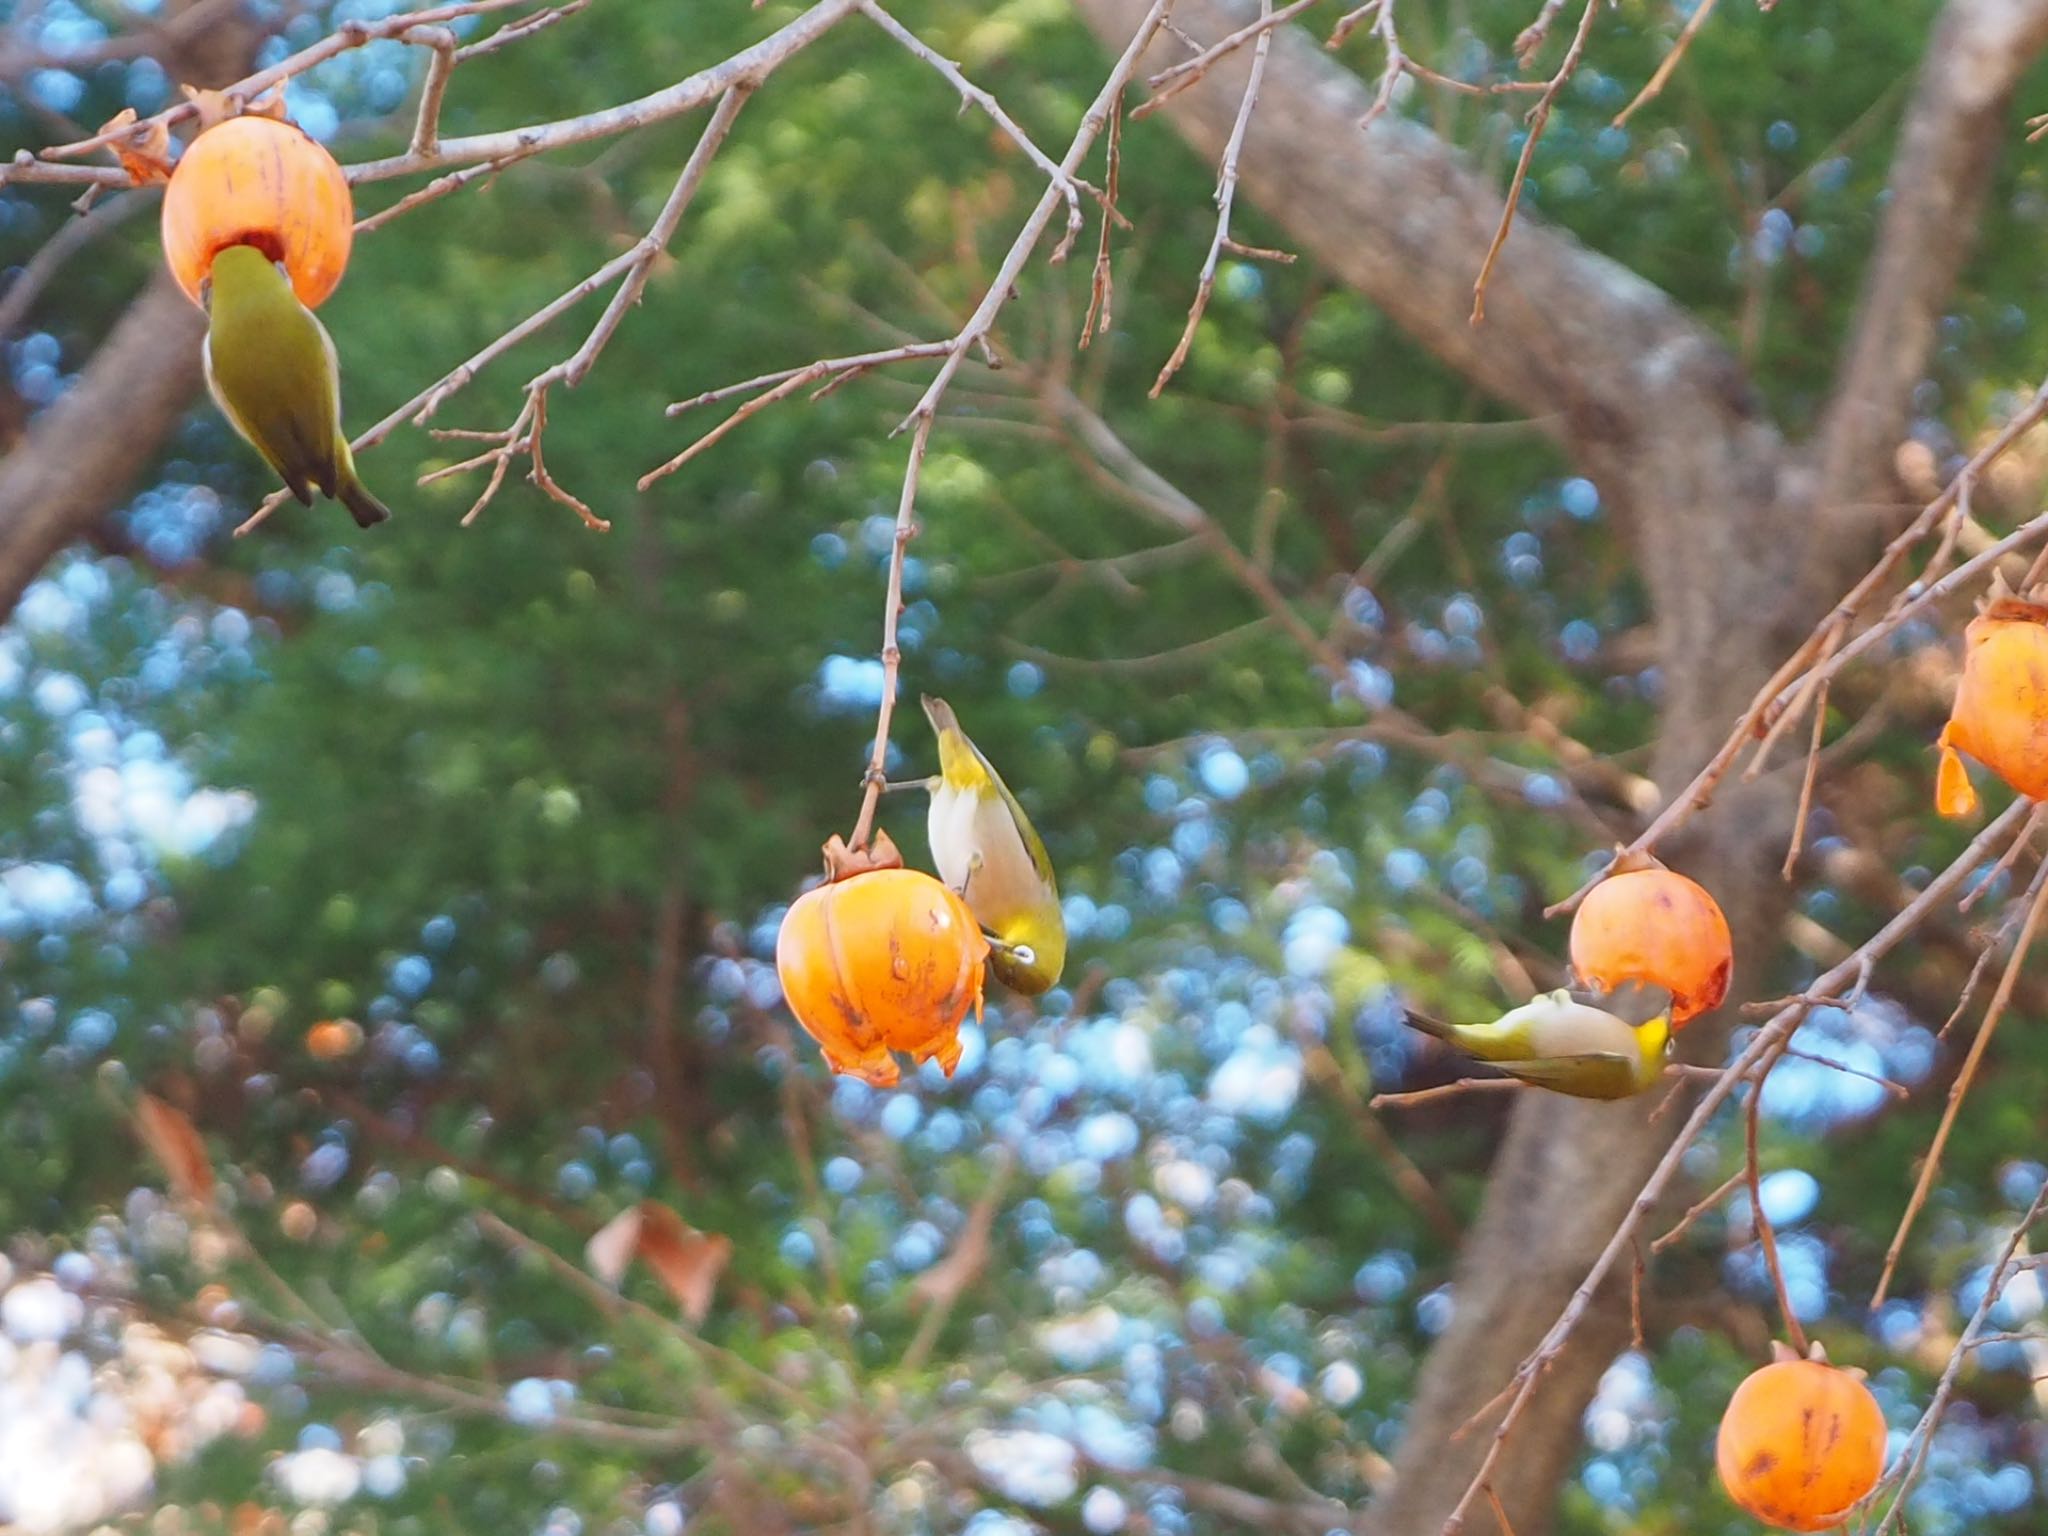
(1226, 195)
(426, 133)
(350, 35)
(1538, 120)
(1169, 83)
(1665, 70)
(972, 334)
(972, 93)
(1960, 1088)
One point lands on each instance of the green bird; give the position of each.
(1591, 1045)
(986, 849)
(271, 367)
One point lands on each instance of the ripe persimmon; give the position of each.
(1655, 926)
(2000, 716)
(1800, 1444)
(255, 180)
(881, 958)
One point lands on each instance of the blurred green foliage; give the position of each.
(460, 774)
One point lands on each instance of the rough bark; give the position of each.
(87, 451)
(83, 455)
(1744, 540)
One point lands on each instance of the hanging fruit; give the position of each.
(2001, 710)
(255, 180)
(1801, 1443)
(1654, 925)
(878, 959)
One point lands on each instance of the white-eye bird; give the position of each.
(986, 849)
(271, 367)
(1591, 1045)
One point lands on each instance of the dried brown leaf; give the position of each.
(610, 1252)
(144, 149)
(686, 1261)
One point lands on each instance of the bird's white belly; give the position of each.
(962, 823)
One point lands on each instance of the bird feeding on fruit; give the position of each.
(986, 849)
(1591, 1045)
(271, 367)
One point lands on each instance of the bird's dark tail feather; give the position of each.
(1427, 1025)
(367, 510)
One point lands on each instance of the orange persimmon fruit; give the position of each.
(878, 959)
(1801, 1443)
(1655, 926)
(254, 180)
(2000, 715)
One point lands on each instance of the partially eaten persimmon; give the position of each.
(255, 180)
(1655, 926)
(2000, 716)
(880, 959)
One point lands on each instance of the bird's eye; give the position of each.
(1025, 954)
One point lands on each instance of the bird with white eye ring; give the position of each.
(986, 849)
(1591, 1045)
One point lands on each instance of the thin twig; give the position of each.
(925, 412)
(1101, 284)
(1655, 88)
(350, 35)
(781, 385)
(1226, 197)
(1767, 1239)
(1793, 675)
(1960, 1088)
(1694, 1212)
(1805, 807)
(1169, 83)
(519, 31)
(656, 240)
(1537, 120)
(972, 93)
(1907, 1468)
(437, 189)
(426, 133)
(1451, 1090)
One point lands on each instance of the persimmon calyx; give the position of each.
(843, 862)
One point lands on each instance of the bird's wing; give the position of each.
(1633, 1002)
(1595, 1075)
(1041, 861)
(296, 484)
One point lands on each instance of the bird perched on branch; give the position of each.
(271, 367)
(986, 850)
(1591, 1045)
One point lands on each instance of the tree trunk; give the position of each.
(1743, 540)
(83, 455)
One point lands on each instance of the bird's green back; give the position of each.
(271, 367)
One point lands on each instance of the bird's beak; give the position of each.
(939, 712)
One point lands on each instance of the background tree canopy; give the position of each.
(432, 874)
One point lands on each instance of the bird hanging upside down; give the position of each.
(1591, 1045)
(271, 367)
(986, 849)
